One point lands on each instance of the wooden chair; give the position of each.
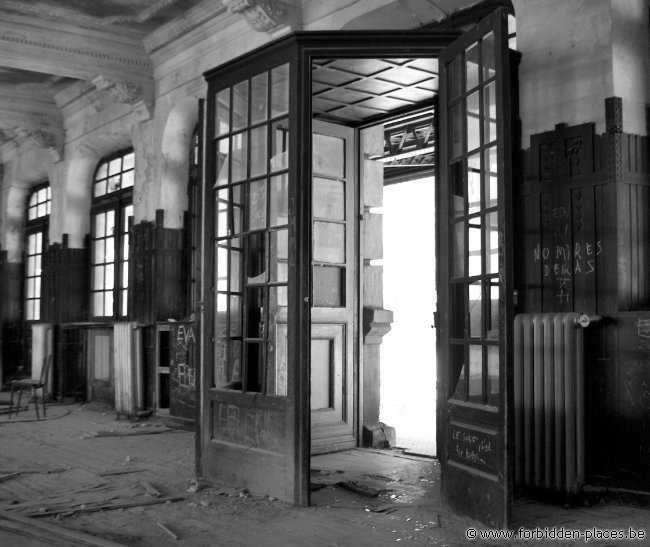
(30, 383)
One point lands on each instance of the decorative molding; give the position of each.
(261, 15)
(614, 115)
(127, 93)
(38, 138)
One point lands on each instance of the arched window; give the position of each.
(111, 214)
(36, 227)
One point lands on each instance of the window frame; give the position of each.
(117, 201)
(39, 224)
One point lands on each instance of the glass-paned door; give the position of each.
(246, 429)
(475, 296)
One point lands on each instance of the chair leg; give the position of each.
(44, 392)
(20, 396)
(11, 400)
(38, 416)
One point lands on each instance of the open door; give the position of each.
(475, 274)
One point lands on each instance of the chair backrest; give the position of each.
(45, 370)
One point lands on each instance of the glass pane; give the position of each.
(328, 199)
(280, 145)
(279, 199)
(235, 363)
(490, 113)
(279, 245)
(127, 179)
(31, 213)
(492, 243)
(113, 184)
(30, 288)
(98, 278)
(240, 106)
(493, 375)
(236, 195)
(474, 183)
(115, 166)
(235, 270)
(476, 374)
(127, 214)
(471, 67)
(109, 276)
(256, 267)
(108, 303)
(489, 64)
(239, 164)
(490, 167)
(102, 171)
(223, 169)
(41, 210)
(474, 247)
(256, 212)
(280, 90)
(328, 287)
(31, 266)
(492, 328)
(221, 376)
(475, 309)
(276, 374)
(329, 242)
(125, 275)
(110, 249)
(99, 189)
(259, 152)
(455, 78)
(222, 213)
(255, 318)
(254, 366)
(31, 244)
(235, 315)
(125, 302)
(259, 98)
(128, 161)
(222, 269)
(100, 251)
(473, 122)
(457, 372)
(98, 304)
(457, 249)
(328, 156)
(456, 129)
(221, 315)
(222, 112)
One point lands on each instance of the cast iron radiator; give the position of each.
(549, 401)
(127, 348)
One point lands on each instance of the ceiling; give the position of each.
(32, 72)
(351, 90)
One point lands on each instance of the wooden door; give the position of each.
(475, 288)
(333, 294)
(100, 365)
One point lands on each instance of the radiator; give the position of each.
(549, 400)
(127, 348)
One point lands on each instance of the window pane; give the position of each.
(127, 179)
(222, 112)
(493, 375)
(256, 266)
(279, 247)
(98, 303)
(491, 181)
(259, 152)
(474, 183)
(102, 171)
(279, 200)
(256, 212)
(490, 113)
(492, 243)
(109, 276)
(475, 300)
(328, 199)
(259, 98)
(255, 316)
(235, 270)
(239, 165)
(110, 222)
(328, 156)
(240, 106)
(100, 251)
(128, 162)
(488, 56)
(110, 249)
(276, 374)
(99, 189)
(223, 168)
(473, 122)
(108, 303)
(115, 166)
(280, 90)
(474, 246)
(471, 67)
(221, 372)
(492, 329)
(455, 78)
(280, 146)
(329, 242)
(235, 315)
(458, 249)
(98, 278)
(254, 366)
(476, 374)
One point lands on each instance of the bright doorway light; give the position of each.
(408, 357)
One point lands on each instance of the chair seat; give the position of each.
(27, 382)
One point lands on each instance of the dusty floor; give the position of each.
(82, 458)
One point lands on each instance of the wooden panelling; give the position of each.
(65, 295)
(157, 291)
